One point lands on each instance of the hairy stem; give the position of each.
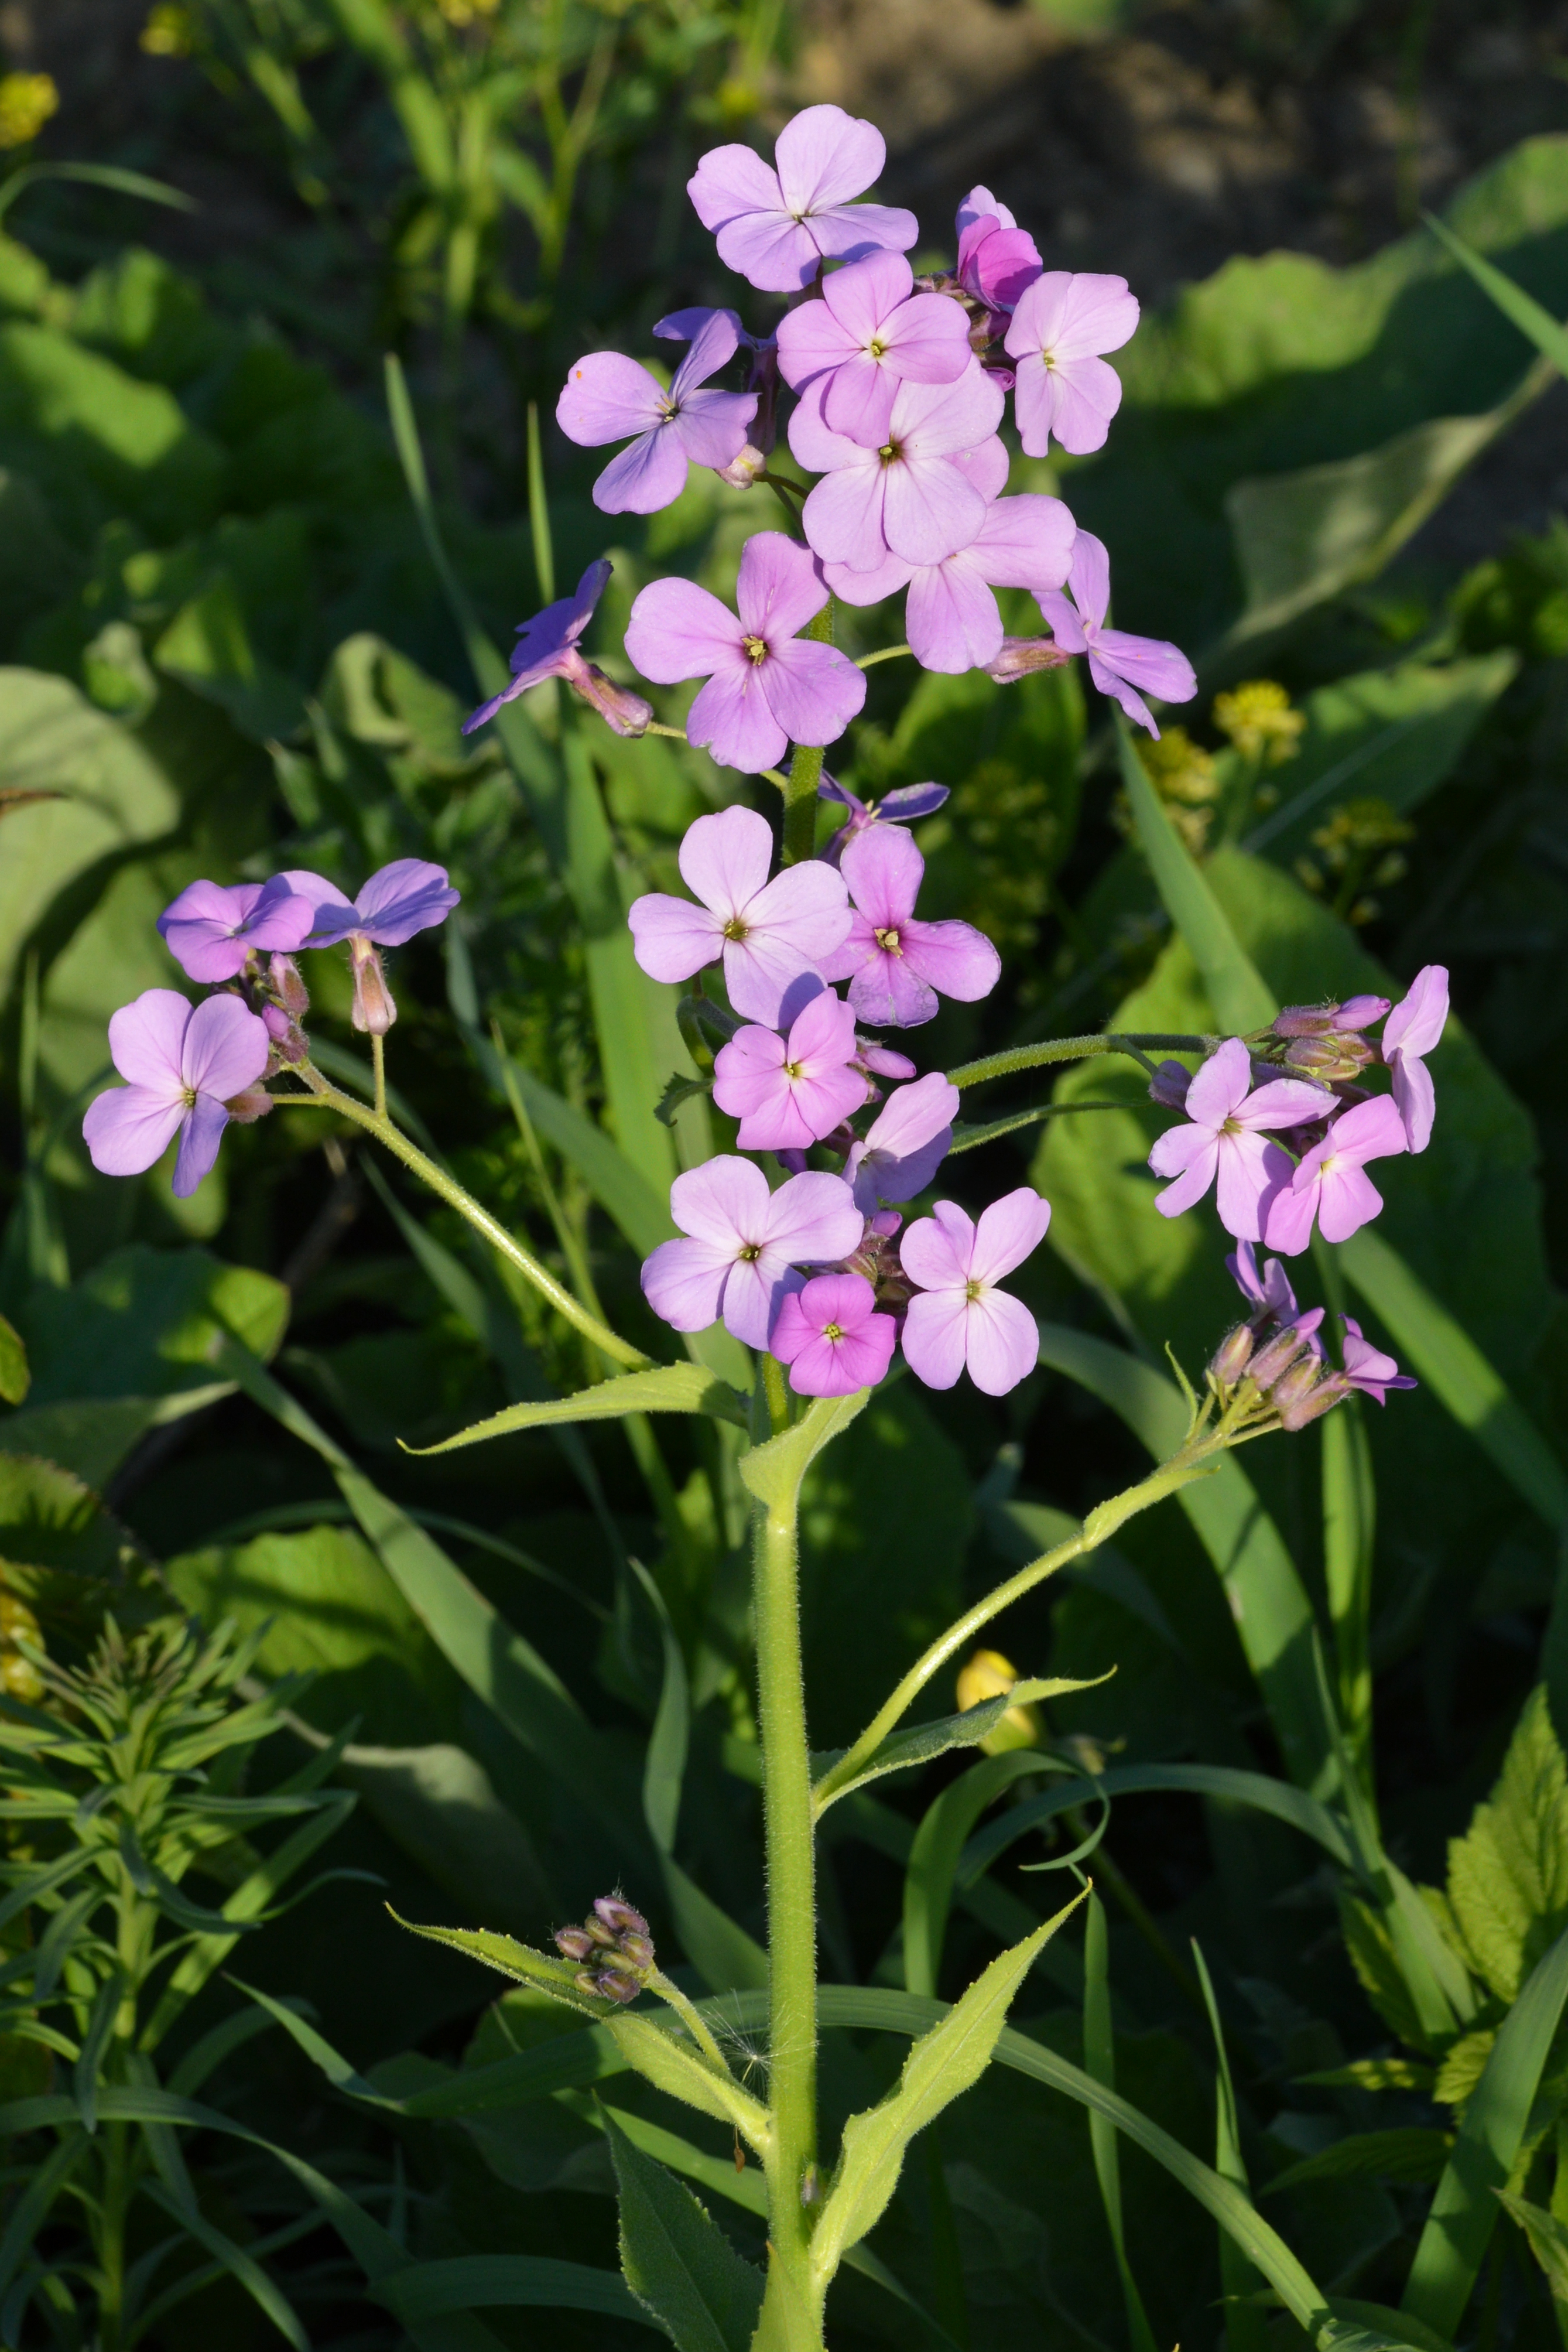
(888, 653)
(1075, 1049)
(806, 769)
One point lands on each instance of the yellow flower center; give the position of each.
(888, 942)
(735, 929)
(756, 649)
(750, 1252)
(832, 1331)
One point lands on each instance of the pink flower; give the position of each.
(766, 687)
(996, 259)
(181, 1068)
(608, 397)
(1118, 664)
(831, 1337)
(210, 930)
(1331, 1184)
(905, 1144)
(896, 965)
(1412, 1030)
(1223, 1140)
(902, 806)
(743, 1241)
(546, 646)
(960, 1317)
(1367, 1368)
(1272, 1293)
(776, 226)
(909, 495)
(869, 333)
(951, 616)
(769, 933)
(1061, 324)
(399, 899)
(787, 1096)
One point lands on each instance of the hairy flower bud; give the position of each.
(623, 712)
(618, 1915)
(614, 1987)
(1275, 1358)
(288, 986)
(574, 1943)
(638, 1949)
(742, 471)
(1338, 1055)
(251, 1104)
(373, 1010)
(1169, 1085)
(1314, 1401)
(1231, 1358)
(1020, 656)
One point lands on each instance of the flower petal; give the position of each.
(951, 956)
(1415, 1025)
(1415, 1097)
(202, 1131)
(128, 1130)
(711, 428)
(780, 586)
(677, 630)
(147, 1040)
(814, 690)
(671, 938)
(884, 869)
(226, 1049)
(608, 397)
(934, 1330)
(399, 899)
(1220, 1082)
(724, 1202)
(952, 619)
(733, 718)
(1010, 1230)
(649, 474)
(813, 1219)
(935, 1251)
(1249, 1170)
(1001, 1342)
(683, 1281)
(824, 156)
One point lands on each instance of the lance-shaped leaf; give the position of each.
(678, 2261)
(921, 1741)
(676, 2067)
(521, 1962)
(672, 1388)
(773, 1472)
(943, 2063)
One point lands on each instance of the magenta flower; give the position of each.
(950, 615)
(608, 397)
(742, 1241)
(1412, 1030)
(777, 226)
(1330, 1182)
(1118, 664)
(767, 686)
(896, 966)
(869, 333)
(905, 1144)
(1224, 1143)
(1367, 1368)
(182, 1068)
(902, 806)
(210, 930)
(996, 259)
(546, 646)
(910, 495)
(960, 1317)
(787, 1096)
(1063, 321)
(831, 1337)
(769, 933)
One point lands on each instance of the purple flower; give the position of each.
(766, 687)
(910, 495)
(869, 332)
(1223, 1140)
(996, 259)
(896, 965)
(905, 1144)
(1329, 1020)
(769, 933)
(960, 1317)
(210, 930)
(608, 397)
(1330, 1182)
(951, 617)
(181, 1069)
(1272, 1296)
(546, 646)
(1367, 1368)
(743, 1241)
(787, 1096)
(902, 806)
(831, 1337)
(1412, 1030)
(1118, 664)
(399, 899)
(1061, 324)
(776, 226)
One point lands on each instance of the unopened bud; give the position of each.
(1020, 656)
(287, 1041)
(614, 1987)
(1319, 1398)
(373, 1010)
(617, 1915)
(1169, 1085)
(623, 712)
(1232, 1356)
(247, 1106)
(1361, 1012)
(574, 1943)
(1296, 1383)
(288, 986)
(586, 1982)
(638, 1949)
(1271, 1361)
(1305, 1021)
(882, 1060)
(1338, 1055)
(742, 471)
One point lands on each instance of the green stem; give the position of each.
(691, 2017)
(888, 653)
(378, 1124)
(791, 1923)
(1076, 1049)
(805, 769)
(378, 1065)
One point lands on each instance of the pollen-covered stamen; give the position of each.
(748, 1253)
(756, 649)
(890, 452)
(833, 1330)
(737, 928)
(887, 941)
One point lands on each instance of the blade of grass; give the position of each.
(1246, 2323)
(1100, 2063)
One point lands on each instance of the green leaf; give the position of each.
(1464, 2212)
(773, 1472)
(207, 647)
(923, 1741)
(941, 2067)
(640, 1209)
(85, 2082)
(1100, 2061)
(544, 1970)
(462, 2282)
(52, 1528)
(240, 2265)
(1237, 990)
(32, 2210)
(678, 2261)
(1245, 2327)
(672, 1388)
(1409, 2152)
(148, 1322)
(15, 1378)
(1221, 1782)
(676, 2065)
(1515, 304)
(1508, 1875)
(1548, 2240)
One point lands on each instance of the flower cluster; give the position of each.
(189, 1069)
(615, 1943)
(1282, 1127)
(900, 386)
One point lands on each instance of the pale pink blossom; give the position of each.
(608, 397)
(1331, 1184)
(869, 332)
(182, 1069)
(1061, 325)
(897, 965)
(951, 616)
(789, 1093)
(1367, 1368)
(1223, 1142)
(776, 226)
(769, 933)
(741, 1242)
(912, 494)
(905, 1143)
(1119, 664)
(211, 929)
(996, 259)
(831, 1337)
(1410, 1031)
(959, 1316)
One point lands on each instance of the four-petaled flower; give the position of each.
(1411, 1031)
(767, 686)
(831, 1337)
(960, 1317)
(1331, 1184)
(909, 493)
(210, 930)
(1225, 1141)
(399, 899)
(896, 965)
(951, 616)
(789, 1094)
(769, 933)
(741, 1240)
(182, 1068)
(905, 1143)
(869, 333)
(902, 806)
(777, 226)
(1060, 326)
(608, 397)
(1119, 664)
(547, 646)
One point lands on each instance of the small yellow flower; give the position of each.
(169, 31)
(1179, 769)
(26, 103)
(1259, 721)
(989, 1675)
(19, 1678)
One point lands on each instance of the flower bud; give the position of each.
(638, 1949)
(247, 1107)
(1339, 1055)
(574, 1943)
(1271, 1361)
(1169, 1085)
(618, 1915)
(284, 979)
(1305, 1021)
(614, 1987)
(1231, 1357)
(373, 1009)
(623, 712)
(1319, 1398)
(586, 1982)
(1297, 1383)
(1020, 656)
(742, 471)
(882, 1061)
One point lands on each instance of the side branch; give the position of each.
(1077, 1049)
